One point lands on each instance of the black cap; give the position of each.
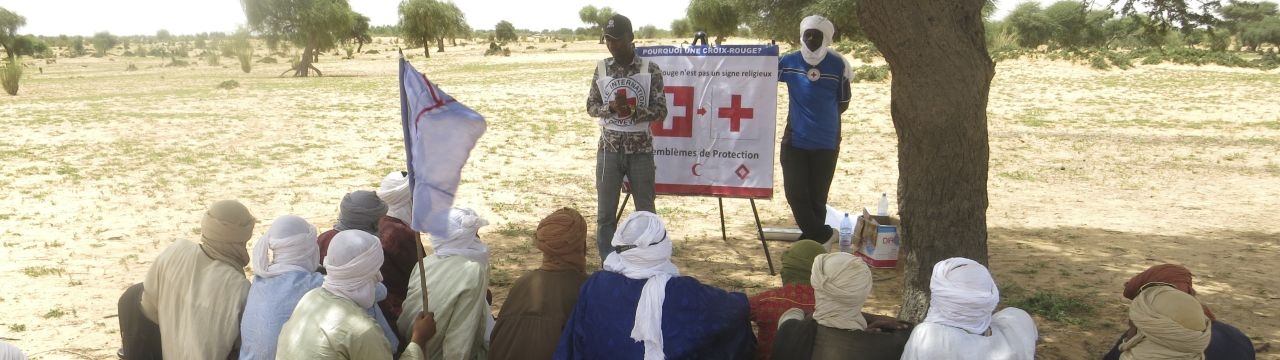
(618, 27)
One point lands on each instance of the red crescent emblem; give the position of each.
(695, 169)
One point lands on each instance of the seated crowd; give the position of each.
(356, 292)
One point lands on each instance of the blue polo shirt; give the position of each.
(813, 117)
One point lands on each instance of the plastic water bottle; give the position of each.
(846, 234)
(883, 210)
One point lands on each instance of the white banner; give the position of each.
(718, 137)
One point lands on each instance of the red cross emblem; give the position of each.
(735, 113)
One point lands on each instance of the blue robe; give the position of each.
(698, 321)
(270, 304)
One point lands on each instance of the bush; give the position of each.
(229, 84)
(131, 67)
(1268, 61)
(268, 60)
(871, 73)
(1120, 60)
(1152, 59)
(371, 52)
(211, 58)
(174, 62)
(10, 75)
(1099, 62)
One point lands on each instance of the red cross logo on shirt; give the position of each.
(630, 101)
(735, 113)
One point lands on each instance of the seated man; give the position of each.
(280, 278)
(362, 210)
(332, 321)
(839, 329)
(1166, 324)
(540, 302)
(457, 276)
(641, 308)
(959, 324)
(795, 292)
(400, 243)
(1227, 342)
(196, 292)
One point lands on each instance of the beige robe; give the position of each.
(456, 290)
(328, 326)
(197, 302)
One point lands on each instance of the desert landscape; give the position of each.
(1094, 176)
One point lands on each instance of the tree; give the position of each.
(163, 36)
(841, 13)
(313, 25)
(9, 24)
(359, 31)
(716, 17)
(1185, 14)
(505, 32)
(1266, 31)
(104, 41)
(1074, 25)
(1237, 15)
(597, 18)
(938, 100)
(422, 21)
(774, 19)
(647, 32)
(1030, 23)
(680, 28)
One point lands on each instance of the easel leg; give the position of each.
(723, 237)
(622, 207)
(759, 233)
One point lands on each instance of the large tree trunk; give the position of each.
(440, 44)
(304, 63)
(941, 76)
(359, 46)
(426, 47)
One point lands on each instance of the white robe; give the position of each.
(456, 291)
(196, 300)
(1013, 337)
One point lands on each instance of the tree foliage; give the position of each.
(1166, 14)
(314, 25)
(504, 31)
(103, 41)
(424, 21)
(1241, 17)
(680, 28)
(9, 24)
(718, 18)
(647, 32)
(1266, 31)
(359, 31)
(841, 13)
(596, 18)
(1030, 24)
(774, 19)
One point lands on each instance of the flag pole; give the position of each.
(421, 250)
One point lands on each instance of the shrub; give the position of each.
(131, 67)
(1099, 62)
(211, 58)
(10, 75)
(371, 52)
(1152, 59)
(871, 73)
(174, 62)
(268, 60)
(229, 84)
(1120, 60)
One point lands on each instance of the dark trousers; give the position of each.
(139, 336)
(806, 180)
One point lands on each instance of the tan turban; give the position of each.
(841, 283)
(1170, 324)
(224, 231)
(1177, 276)
(562, 238)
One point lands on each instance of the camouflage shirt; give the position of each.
(628, 142)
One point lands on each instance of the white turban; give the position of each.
(647, 256)
(395, 192)
(964, 294)
(1170, 323)
(841, 283)
(353, 262)
(292, 241)
(10, 352)
(464, 239)
(828, 31)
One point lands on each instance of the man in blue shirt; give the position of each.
(818, 89)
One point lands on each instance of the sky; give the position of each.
(179, 17)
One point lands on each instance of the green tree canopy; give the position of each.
(422, 21)
(314, 25)
(9, 24)
(104, 41)
(504, 31)
(1030, 24)
(596, 18)
(359, 31)
(716, 17)
(680, 28)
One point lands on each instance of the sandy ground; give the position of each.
(1095, 175)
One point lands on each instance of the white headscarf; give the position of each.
(964, 294)
(354, 259)
(1170, 323)
(292, 241)
(649, 259)
(464, 239)
(828, 31)
(841, 283)
(10, 352)
(395, 192)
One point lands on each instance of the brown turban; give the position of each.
(562, 237)
(225, 229)
(1177, 276)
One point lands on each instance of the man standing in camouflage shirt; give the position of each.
(633, 87)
